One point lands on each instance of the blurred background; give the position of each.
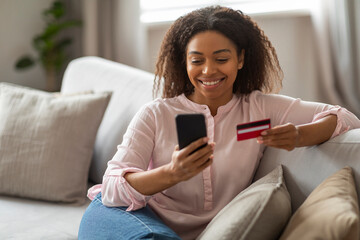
(317, 41)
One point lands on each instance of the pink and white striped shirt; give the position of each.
(189, 206)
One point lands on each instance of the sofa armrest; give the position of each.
(131, 88)
(305, 168)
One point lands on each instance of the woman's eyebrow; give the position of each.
(222, 50)
(195, 52)
(215, 52)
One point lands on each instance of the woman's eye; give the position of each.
(195, 61)
(222, 60)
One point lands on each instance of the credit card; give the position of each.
(252, 129)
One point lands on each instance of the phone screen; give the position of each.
(190, 127)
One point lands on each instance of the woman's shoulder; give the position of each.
(160, 104)
(262, 101)
(258, 96)
(155, 109)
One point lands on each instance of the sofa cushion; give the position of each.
(330, 212)
(261, 211)
(306, 167)
(46, 142)
(28, 219)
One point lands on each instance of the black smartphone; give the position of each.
(190, 127)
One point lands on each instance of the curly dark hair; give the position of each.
(261, 70)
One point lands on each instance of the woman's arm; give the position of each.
(289, 136)
(182, 167)
(316, 132)
(301, 123)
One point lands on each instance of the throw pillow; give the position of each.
(331, 211)
(259, 212)
(46, 142)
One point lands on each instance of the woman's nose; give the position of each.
(208, 68)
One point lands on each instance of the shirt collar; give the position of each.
(201, 107)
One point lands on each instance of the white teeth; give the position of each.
(211, 83)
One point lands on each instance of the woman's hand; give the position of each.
(289, 136)
(283, 136)
(185, 163)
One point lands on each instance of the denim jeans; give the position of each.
(101, 222)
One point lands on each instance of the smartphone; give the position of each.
(190, 127)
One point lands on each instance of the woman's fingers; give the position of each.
(204, 165)
(192, 147)
(279, 130)
(197, 158)
(283, 136)
(187, 162)
(201, 156)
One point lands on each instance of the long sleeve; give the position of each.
(133, 155)
(345, 119)
(282, 109)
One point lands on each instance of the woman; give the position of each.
(218, 62)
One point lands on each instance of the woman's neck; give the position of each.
(213, 104)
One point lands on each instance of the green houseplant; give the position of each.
(50, 46)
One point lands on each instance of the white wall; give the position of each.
(293, 39)
(130, 35)
(19, 21)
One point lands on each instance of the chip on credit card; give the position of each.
(251, 129)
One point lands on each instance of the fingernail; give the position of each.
(263, 133)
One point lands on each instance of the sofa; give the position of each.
(26, 217)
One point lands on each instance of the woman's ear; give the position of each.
(241, 59)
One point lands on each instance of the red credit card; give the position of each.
(252, 129)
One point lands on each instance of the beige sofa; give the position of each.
(22, 218)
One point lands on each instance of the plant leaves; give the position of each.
(63, 43)
(24, 62)
(54, 28)
(57, 10)
(51, 49)
(42, 44)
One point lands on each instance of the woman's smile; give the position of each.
(211, 82)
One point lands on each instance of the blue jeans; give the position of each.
(101, 222)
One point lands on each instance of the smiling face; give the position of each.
(212, 63)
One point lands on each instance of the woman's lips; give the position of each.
(211, 82)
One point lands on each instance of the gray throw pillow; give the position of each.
(47, 141)
(259, 212)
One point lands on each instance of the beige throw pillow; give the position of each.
(259, 212)
(46, 142)
(330, 212)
